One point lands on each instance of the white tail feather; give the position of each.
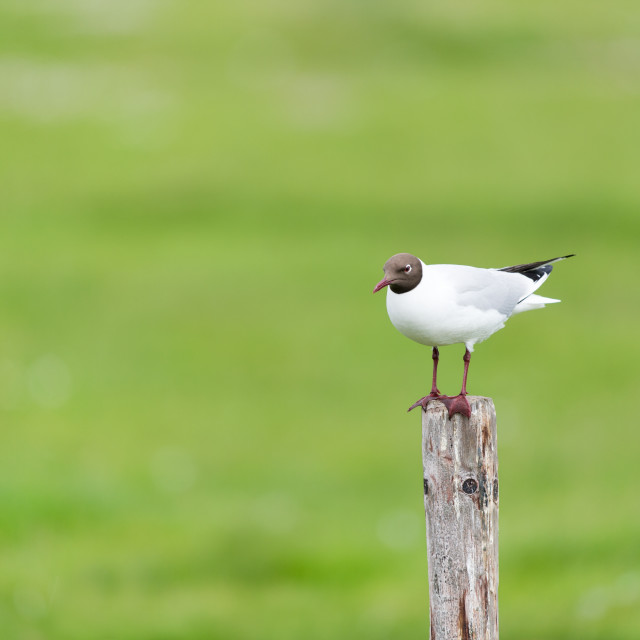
(532, 302)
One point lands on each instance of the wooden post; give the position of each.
(460, 462)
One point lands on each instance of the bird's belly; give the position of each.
(439, 324)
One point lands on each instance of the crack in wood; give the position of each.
(486, 437)
(433, 628)
(463, 619)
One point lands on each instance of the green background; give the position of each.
(203, 406)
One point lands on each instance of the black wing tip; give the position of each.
(549, 263)
(552, 260)
(542, 265)
(538, 272)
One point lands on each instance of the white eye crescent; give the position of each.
(407, 269)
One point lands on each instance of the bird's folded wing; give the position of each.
(493, 291)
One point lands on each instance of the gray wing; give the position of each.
(490, 289)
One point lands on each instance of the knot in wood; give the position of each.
(470, 486)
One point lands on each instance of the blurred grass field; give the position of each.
(203, 406)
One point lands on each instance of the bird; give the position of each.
(444, 304)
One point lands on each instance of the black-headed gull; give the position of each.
(441, 304)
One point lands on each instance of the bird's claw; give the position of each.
(454, 404)
(423, 402)
(457, 404)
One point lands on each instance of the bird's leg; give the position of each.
(467, 360)
(435, 354)
(459, 403)
(435, 394)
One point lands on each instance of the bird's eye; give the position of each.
(407, 269)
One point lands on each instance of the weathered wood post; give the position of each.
(460, 462)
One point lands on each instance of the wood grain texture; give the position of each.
(460, 461)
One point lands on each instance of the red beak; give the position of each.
(382, 284)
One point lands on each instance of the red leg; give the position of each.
(467, 360)
(435, 394)
(435, 354)
(459, 403)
